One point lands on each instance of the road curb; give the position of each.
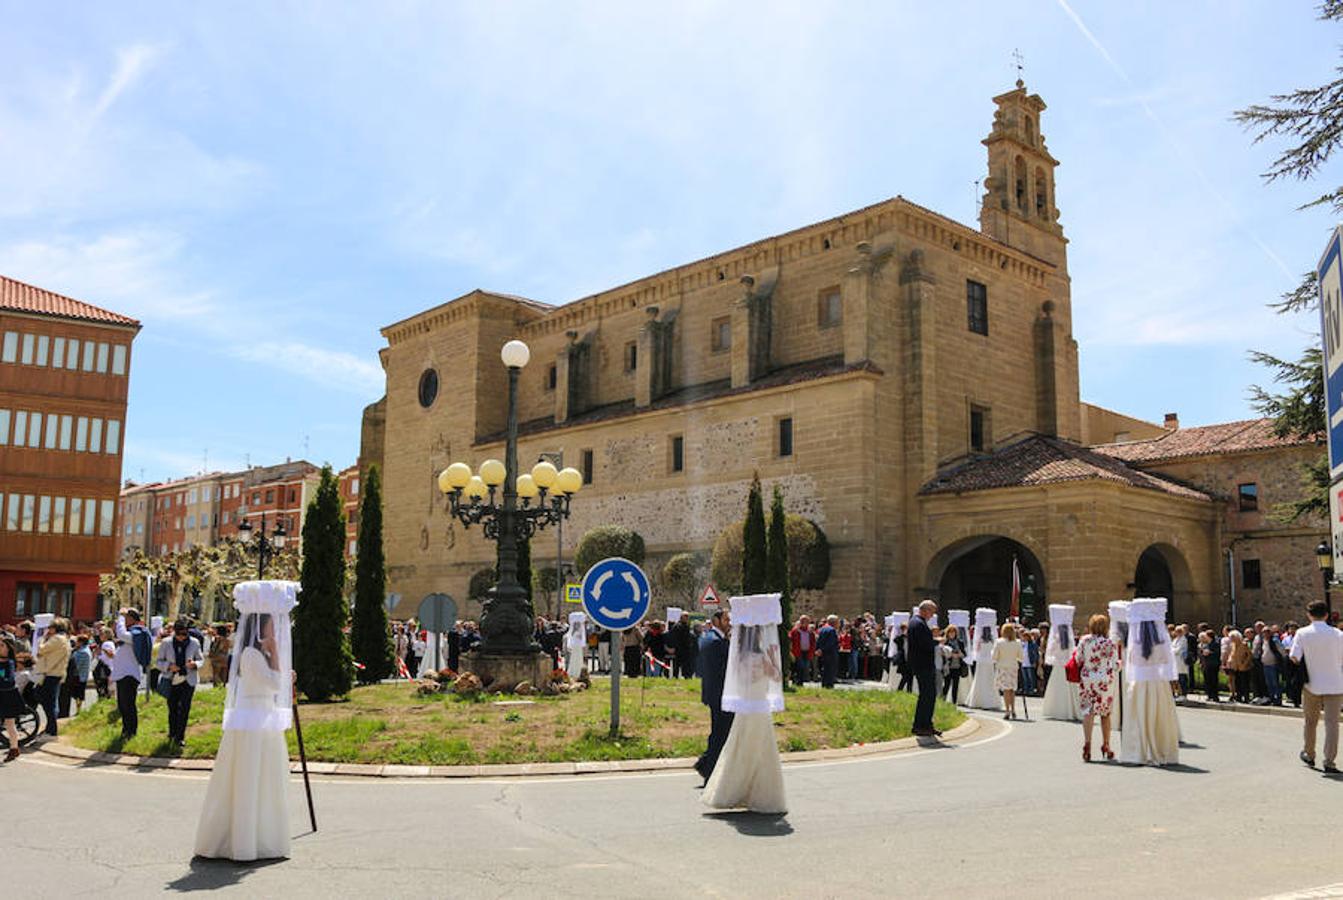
(59, 748)
(1287, 712)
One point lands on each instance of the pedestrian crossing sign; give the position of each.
(573, 593)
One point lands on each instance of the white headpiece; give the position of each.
(674, 614)
(1148, 653)
(577, 636)
(1119, 620)
(896, 619)
(41, 622)
(1062, 641)
(754, 679)
(986, 620)
(260, 676)
(961, 619)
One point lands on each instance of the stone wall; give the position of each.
(1290, 576)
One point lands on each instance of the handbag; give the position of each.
(1072, 669)
(164, 686)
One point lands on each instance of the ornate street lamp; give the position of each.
(265, 548)
(506, 624)
(1324, 555)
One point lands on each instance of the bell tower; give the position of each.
(1018, 206)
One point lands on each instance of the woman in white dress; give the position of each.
(246, 812)
(749, 773)
(1151, 727)
(575, 644)
(1062, 697)
(983, 693)
(1006, 667)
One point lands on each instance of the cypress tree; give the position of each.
(754, 579)
(776, 576)
(321, 652)
(370, 638)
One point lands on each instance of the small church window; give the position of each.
(631, 356)
(1020, 168)
(552, 377)
(1030, 131)
(1041, 197)
(979, 429)
(720, 334)
(830, 309)
(977, 307)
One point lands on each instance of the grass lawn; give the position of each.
(388, 723)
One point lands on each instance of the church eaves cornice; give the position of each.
(536, 319)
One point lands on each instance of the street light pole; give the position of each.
(506, 625)
(266, 546)
(1324, 555)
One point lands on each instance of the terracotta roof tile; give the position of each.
(1206, 440)
(21, 297)
(1038, 460)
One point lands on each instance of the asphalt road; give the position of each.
(1014, 814)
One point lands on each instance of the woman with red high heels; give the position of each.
(1098, 657)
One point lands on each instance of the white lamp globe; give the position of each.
(492, 472)
(526, 487)
(475, 488)
(454, 477)
(569, 480)
(515, 354)
(544, 474)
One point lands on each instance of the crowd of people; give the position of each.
(54, 667)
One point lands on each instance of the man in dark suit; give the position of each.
(920, 648)
(827, 643)
(712, 661)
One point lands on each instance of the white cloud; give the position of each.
(132, 63)
(133, 272)
(333, 368)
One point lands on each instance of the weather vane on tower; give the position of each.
(1021, 64)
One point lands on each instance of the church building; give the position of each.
(911, 383)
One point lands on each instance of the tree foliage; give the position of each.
(776, 571)
(370, 637)
(683, 575)
(754, 579)
(606, 541)
(1311, 121)
(481, 582)
(321, 652)
(808, 556)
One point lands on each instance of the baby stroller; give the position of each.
(29, 724)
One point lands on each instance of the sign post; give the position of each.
(1329, 274)
(616, 596)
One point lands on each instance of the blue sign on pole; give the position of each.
(1330, 276)
(616, 594)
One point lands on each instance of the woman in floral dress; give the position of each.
(1098, 657)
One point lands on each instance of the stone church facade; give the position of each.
(910, 382)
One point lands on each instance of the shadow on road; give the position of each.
(755, 824)
(212, 874)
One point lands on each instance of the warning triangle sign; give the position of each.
(709, 597)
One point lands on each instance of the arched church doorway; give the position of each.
(977, 572)
(1162, 572)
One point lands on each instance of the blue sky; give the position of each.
(265, 185)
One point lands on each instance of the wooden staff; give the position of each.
(303, 762)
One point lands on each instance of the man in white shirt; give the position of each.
(127, 671)
(1321, 645)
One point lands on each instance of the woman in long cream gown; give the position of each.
(246, 812)
(749, 773)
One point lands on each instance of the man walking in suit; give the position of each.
(919, 650)
(712, 661)
(827, 643)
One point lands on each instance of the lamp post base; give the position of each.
(501, 673)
